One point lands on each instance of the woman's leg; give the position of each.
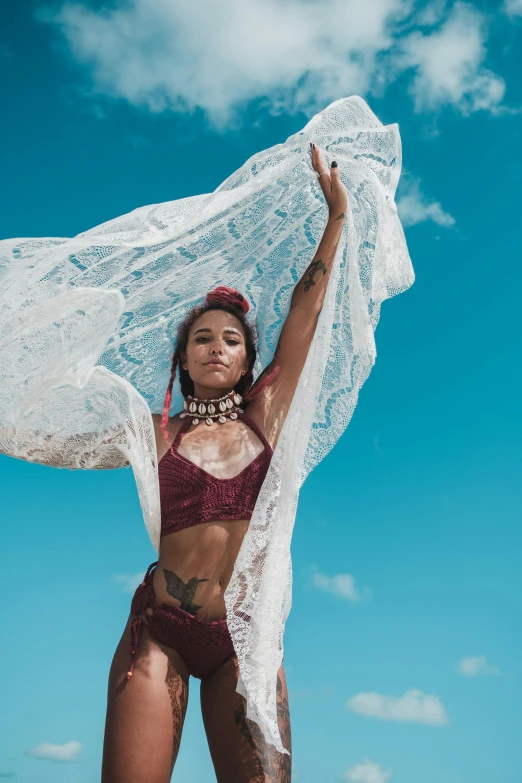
(235, 743)
(144, 715)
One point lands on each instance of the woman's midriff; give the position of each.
(199, 561)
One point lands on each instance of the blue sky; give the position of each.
(403, 646)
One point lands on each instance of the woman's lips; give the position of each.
(213, 361)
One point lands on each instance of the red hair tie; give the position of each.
(225, 295)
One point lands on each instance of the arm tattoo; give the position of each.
(315, 266)
(341, 216)
(183, 591)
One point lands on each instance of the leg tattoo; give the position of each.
(283, 719)
(183, 591)
(178, 693)
(277, 766)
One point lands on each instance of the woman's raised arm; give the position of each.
(271, 405)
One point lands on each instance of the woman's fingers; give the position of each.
(319, 165)
(330, 182)
(339, 194)
(335, 179)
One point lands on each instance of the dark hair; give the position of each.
(231, 301)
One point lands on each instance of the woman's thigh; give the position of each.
(236, 744)
(145, 715)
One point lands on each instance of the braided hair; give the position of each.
(231, 301)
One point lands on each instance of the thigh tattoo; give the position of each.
(277, 766)
(178, 693)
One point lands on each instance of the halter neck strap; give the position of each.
(186, 422)
(184, 427)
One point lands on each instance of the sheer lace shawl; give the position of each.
(87, 327)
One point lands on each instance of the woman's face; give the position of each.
(215, 356)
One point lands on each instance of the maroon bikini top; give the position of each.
(190, 495)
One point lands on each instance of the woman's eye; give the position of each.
(206, 339)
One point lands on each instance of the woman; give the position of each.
(204, 520)
(84, 323)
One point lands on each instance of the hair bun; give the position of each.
(229, 296)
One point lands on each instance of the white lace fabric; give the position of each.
(87, 329)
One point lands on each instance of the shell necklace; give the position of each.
(219, 408)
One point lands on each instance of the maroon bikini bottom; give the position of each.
(204, 646)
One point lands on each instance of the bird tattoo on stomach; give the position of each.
(183, 591)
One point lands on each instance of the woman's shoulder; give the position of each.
(173, 425)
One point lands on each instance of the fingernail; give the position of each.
(313, 145)
(334, 164)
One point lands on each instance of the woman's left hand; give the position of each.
(331, 185)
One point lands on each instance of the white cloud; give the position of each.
(513, 7)
(414, 707)
(448, 64)
(296, 55)
(341, 585)
(432, 13)
(129, 582)
(474, 665)
(67, 752)
(415, 208)
(367, 772)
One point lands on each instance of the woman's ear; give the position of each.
(183, 359)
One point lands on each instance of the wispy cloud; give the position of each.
(448, 64)
(295, 56)
(129, 582)
(414, 207)
(413, 707)
(67, 752)
(340, 585)
(367, 772)
(472, 666)
(513, 7)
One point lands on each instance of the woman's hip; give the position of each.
(203, 645)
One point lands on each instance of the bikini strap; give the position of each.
(184, 427)
(241, 414)
(251, 423)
